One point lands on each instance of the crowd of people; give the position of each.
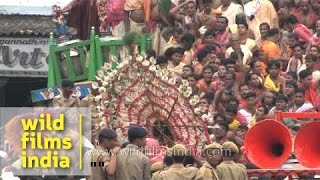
(246, 60)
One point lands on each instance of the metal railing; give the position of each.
(79, 60)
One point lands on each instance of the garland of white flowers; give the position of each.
(112, 71)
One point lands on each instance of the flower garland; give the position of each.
(140, 92)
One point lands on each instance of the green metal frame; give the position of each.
(96, 59)
(112, 44)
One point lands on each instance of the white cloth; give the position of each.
(118, 30)
(248, 116)
(304, 108)
(87, 143)
(202, 30)
(251, 8)
(247, 54)
(298, 66)
(263, 11)
(231, 12)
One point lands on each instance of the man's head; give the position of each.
(256, 66)
(219, 118)
(187, 41)
(241, 130)
(231, 113)
(229, 150)
(203, 55)
(299, 97)
(192, 80)
(311, 61)
(315, 4)
(315, 50)
(305, 77)
(250, 98)
(242, 28)
(162, 61)
(243, 89)
(235, 41)
(233, 102)
(291, 76)
(212, 154)
(290, 87)
(222, 71)
(187, 70)
(209, 36)
(281, 102)
(297, 50)
(229, 79)
(222, 23)
(175, 54)
(262, 112)
(230, 64)
(179, 152)
(274, 68)
(191, 8)
(291, 22)
(273, 35)
(107, 138)
(177, 33)
(305, 6)
(137, 135)
(207, 73)
(292, 39)
(264, 27)
(220, 130)
(67, 87)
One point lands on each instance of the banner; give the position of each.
(48, 93)
(24, 57)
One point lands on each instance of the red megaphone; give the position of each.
(307, 146)
(268, 144)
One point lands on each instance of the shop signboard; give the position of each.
(24, 57)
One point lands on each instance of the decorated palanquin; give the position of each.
(140, 93)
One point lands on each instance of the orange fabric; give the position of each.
(311, 94)
(138, 4)
(271, 49)
(147, 9)
(203, 85)
(264, 69)
(198, 68)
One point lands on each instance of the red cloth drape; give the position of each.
(82, 16)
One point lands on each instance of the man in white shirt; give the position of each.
(230, 10)
(260, 11)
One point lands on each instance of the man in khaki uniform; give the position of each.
(68, 101)
(104, 153)
(167, 162)
(91, 101)
(132, 164)
(229, 169)
(67, 98)
(177, 171)
(212, 154)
